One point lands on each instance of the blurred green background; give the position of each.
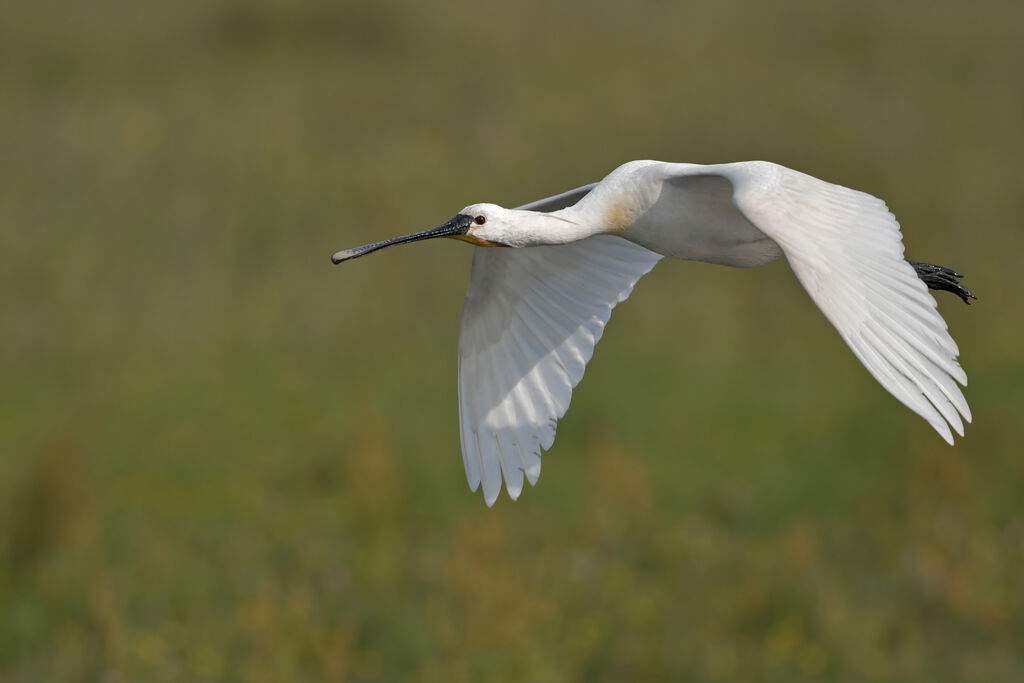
(222, 458)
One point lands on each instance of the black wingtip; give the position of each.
(941, 277)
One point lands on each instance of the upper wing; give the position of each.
(529, 325)
(845, 247)
(559, 201)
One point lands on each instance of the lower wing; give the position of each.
(529, 325)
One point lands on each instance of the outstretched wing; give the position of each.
(530, 322)
(846, 249)
(559, 201)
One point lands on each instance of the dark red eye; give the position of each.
(480, 220)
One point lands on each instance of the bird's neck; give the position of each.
(535, 228)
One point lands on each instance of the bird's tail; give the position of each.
(940, 277)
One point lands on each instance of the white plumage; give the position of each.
(534, 313)
(529, 325)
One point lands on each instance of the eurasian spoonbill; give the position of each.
(534, 311)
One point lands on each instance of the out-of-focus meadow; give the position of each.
(223, 458)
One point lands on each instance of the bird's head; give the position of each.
(493, 226)
(485, 225)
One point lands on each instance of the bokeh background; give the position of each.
(222, 458)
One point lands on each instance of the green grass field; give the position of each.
(222, 458)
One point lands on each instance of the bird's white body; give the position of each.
(533, 313)
(694, 220)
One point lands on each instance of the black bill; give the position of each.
(459, 225)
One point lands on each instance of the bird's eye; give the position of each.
(480, 220)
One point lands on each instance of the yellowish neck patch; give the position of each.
(617, 218)
(476, 240)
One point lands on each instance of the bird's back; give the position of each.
(690, 217)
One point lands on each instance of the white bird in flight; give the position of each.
(535, 311)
